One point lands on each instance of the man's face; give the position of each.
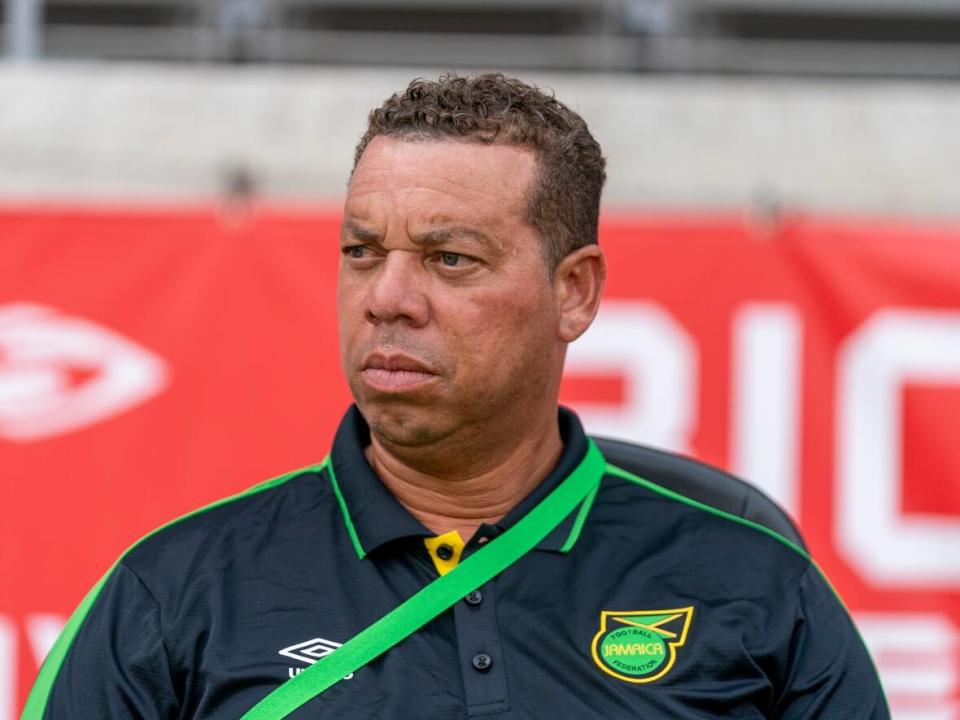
(448, 316)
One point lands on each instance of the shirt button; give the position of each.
(444, 552)
(474, 598)
(482, 662)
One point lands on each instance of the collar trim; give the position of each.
(348, 521)
(373, 517)
(580, 519)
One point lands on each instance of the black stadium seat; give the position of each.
(700, 482)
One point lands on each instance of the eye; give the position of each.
(354, 251)
(453, 264)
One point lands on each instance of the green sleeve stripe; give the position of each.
(351, 530)
(621, 473)
(653, 487)
(40, 693)
(580, 520)
(43, 685)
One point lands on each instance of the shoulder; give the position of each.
(230, 528)
(689, 528)
(710, 529)
(695, 485)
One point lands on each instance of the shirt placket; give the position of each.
(481, 656)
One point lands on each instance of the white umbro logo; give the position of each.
(309, 652)
(60, 373)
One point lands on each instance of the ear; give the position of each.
(578, 283)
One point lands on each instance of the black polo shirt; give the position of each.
(639, 604)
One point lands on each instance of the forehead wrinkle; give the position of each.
(399, 182)
(505, 189)
(393, 184)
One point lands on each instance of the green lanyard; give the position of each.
(439, 595)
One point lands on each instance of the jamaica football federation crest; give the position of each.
(640, 646)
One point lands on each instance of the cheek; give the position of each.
(349, 317)
(504, 333)
(351, 291)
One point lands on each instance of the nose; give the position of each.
(397, 291)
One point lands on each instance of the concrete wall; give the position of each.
(141, 132)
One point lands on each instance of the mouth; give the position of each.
(395, 372)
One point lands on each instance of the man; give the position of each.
(469, 263)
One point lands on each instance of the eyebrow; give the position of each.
(441, 235)
(359, 233)
(430, 238)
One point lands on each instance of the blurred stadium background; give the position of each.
(782, 220)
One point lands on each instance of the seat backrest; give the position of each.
(700, 482)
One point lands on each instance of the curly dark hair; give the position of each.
(565, 202)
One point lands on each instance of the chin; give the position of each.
(408, 426)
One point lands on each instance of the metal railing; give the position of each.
(898, 38)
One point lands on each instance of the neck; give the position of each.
(477, 492)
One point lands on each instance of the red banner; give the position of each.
(153, 361)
